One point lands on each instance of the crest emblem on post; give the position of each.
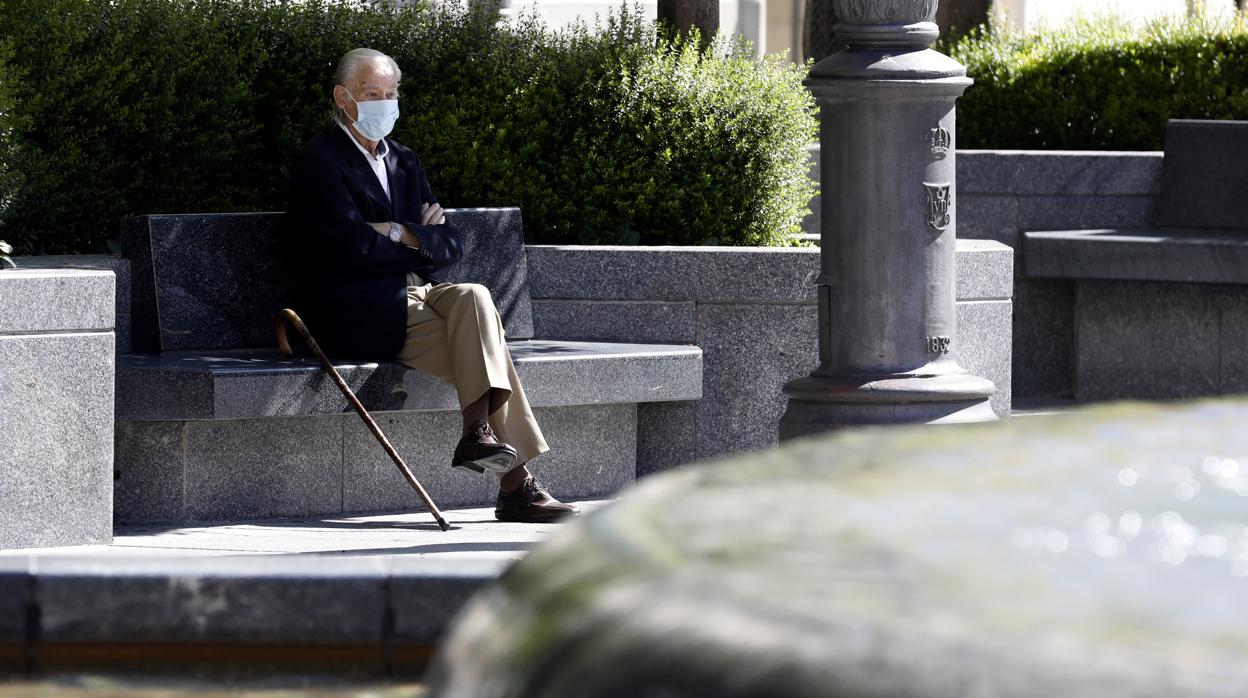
(938, 202)
(940, 140)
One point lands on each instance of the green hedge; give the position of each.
(1100, 85)
(9, 179)
(127, 107)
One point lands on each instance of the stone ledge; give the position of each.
(54, 300)
(724, 274)
(245, 384)
(1058, 173)
(1138, 254)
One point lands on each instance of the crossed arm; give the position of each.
(429, 215)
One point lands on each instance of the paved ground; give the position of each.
(107, 687)
(474, 534)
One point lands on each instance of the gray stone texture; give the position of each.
(56, 466)
(1139, 254)
(985, 271)
(751, 351)
(1058, 173)
(593, 453)
(667, 436)
(149, 471)
(1044, 339)
(426, 595)
(616, 321)
(16, 593)
(983, 330)
(1160, 340)
(56, 300)
(245, 384)
(1203, 177)
(263, 468)
(216, 281)
(240, 600)
(120, 266)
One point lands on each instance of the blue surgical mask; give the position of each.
(376, 117)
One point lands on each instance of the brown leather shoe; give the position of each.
(479, 450)
(531, 503)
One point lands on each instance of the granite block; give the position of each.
(593, 453)
(755, 274)
(314, 600)
(122, 333)
(1044, 339)
(149, 463)
(1140, 254)
(243, 384)
(985, 270)
(988, 217)
(1203, 175)
(16, 593)
(1146, 341)
(1058, 173)
(750, 352)
(1080, 212)
(494, 256)
(260, 468)
(56, 300)
(1233, 339)
(605, 272)
(616, 321)
(984, 346)
(56, 415)
(667, 436)
(216, 281)
(427, 594)
(120, 266)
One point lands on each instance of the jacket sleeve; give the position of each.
(326, 218)
(440, 245)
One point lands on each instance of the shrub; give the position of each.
(8, 168)
(130, 107)
(1103, 84)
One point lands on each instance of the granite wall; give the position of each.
(752, 312)
(1000, 194)
(120, 266)
(57, 352)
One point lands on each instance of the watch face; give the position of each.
(395, 233)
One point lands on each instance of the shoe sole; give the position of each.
(537, 519)
(497, 463)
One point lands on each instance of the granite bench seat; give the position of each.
(213, 423)
(251, 384)
(1162, 311)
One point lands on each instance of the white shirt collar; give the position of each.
(382, 148)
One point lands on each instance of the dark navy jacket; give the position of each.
(351, 281)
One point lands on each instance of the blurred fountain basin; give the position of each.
(1103, 552)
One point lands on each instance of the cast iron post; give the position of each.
(887, 287)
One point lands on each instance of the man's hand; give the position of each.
(432, 214)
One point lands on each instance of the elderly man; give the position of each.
(368, 239)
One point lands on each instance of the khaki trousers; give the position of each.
(454, 333)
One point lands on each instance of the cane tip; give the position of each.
(443, 524)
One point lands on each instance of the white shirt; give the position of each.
(377, 162)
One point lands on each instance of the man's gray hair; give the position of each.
(350, 63)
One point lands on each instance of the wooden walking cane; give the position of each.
(288, 316)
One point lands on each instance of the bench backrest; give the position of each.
(1204, 175)
(216, 281)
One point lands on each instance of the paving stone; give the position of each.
(56, 300)
(1049, 173)
(616, 321)
(667, 436)
(427, 594)
(1203, 175)
(149, 471)
(1146, 341)
(16, 587)
(262, 468)
(315, 600)
(56, 466)
(983, 346)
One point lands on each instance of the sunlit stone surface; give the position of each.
(1103, 553)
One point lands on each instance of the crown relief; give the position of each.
(885, 11)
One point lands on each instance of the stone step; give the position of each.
(362, 594)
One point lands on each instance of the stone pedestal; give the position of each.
(887, 287)
(56, 407)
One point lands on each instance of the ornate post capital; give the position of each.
(886, 23)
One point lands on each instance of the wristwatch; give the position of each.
(396, 233)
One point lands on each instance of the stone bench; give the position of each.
(1162, 311)
(213, 423)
